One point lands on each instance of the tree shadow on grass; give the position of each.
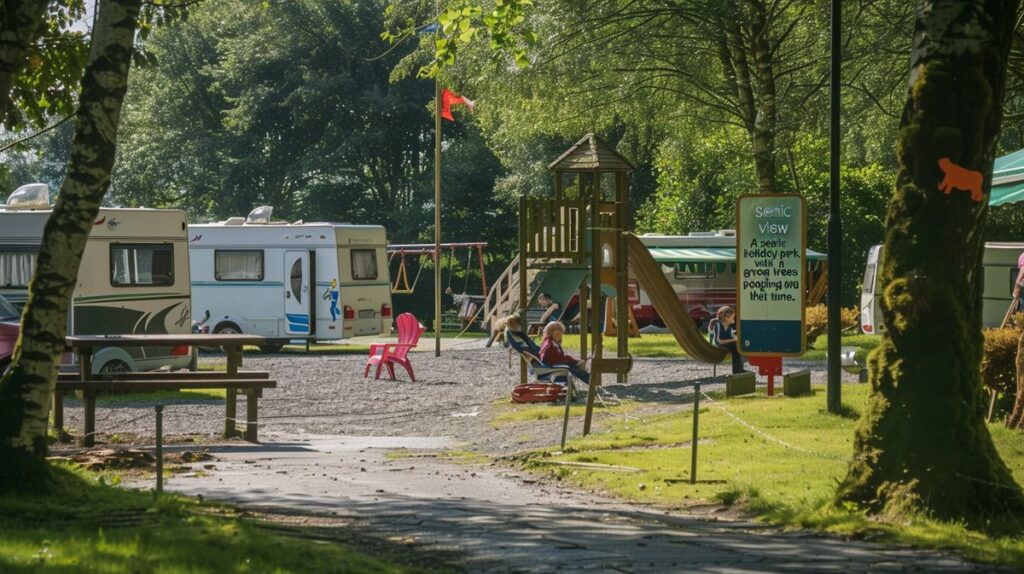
(85, 525)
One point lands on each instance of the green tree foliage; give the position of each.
(290, 105)
(41, 60)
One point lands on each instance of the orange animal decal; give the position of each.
(960, 178)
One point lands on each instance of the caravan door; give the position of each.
(296, 292)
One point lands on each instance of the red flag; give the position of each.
(449, 99)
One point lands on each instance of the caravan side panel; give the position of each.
(364, 281)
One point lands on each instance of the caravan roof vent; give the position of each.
(260, 215)
(31, 196)
(234, 221)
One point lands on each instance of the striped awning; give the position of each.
(705, 254)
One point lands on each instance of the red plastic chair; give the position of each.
(390, 354)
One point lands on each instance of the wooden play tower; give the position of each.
(582, 228)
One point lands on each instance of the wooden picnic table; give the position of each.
(84, 346)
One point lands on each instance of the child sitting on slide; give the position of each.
(723, 335)
(511, 333)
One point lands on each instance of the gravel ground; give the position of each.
(456, 395)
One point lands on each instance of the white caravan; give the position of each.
(134, 276)
(1000, 269)
(284, 281)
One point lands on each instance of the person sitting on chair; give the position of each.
(551, 352)
(722, 336)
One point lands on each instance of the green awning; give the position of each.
(1008, 179)
(705, 254)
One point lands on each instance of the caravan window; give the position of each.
(141, 264)
(695, 270)
(16, 268)
(238, 265)
(364, 264)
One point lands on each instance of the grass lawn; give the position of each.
(506, 412)
(789, 484)
(664, 345)
(864, 344)
(87, 526)
(314, 349)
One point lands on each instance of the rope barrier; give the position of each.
(767, 436)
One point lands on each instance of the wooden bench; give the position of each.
(249, 383)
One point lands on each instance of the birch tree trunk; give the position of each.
(922, 443)
(27, 388)
(20, 25)
(745, 51)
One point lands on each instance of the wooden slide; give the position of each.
(666, 302)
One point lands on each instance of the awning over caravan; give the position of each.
(705, 254)
(1008, 179)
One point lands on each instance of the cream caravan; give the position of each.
(999, 263)
(134, 276)
(284, 281)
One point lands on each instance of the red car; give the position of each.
(9, 329)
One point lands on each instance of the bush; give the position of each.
(817, 320)
(999, 363)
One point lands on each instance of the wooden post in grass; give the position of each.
(693, 443)
(568, 401)
(159, 449)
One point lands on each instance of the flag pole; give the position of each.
(437, 217)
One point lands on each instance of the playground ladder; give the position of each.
(503, 296)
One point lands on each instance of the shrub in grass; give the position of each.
(817, 320)
(999, 363)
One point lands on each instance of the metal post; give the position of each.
(568, 402)
(595, 295)
(693, 443)
(437, 217)
(834, 389)
(159, 449)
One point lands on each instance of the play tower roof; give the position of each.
(591, 154)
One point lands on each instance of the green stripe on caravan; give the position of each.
(117, 298)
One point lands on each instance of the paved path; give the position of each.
(501, 520)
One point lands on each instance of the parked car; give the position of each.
(9, 329)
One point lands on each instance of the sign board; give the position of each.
(771, 252)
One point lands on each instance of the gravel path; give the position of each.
(454, 396)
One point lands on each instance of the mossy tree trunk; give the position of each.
(21, 22)
(27, 388)
(922, 442)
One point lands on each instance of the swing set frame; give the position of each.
(400, 284)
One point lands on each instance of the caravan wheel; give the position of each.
(228, 329)
(114, 367)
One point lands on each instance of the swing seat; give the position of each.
(391, 354)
